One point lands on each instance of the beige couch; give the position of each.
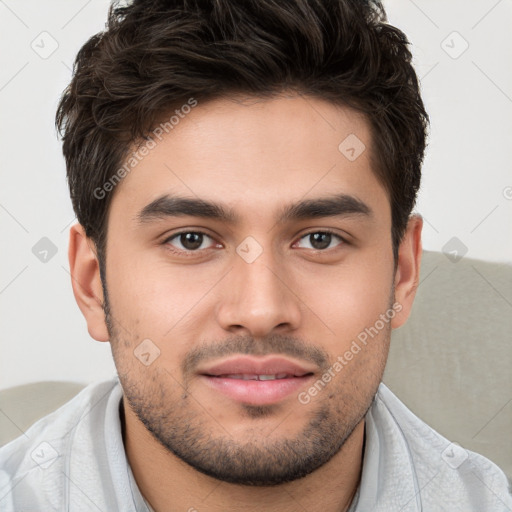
(451, 364)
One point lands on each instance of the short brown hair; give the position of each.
(156, 54)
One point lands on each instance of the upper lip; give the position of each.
(269, 365)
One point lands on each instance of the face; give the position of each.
(250, 327)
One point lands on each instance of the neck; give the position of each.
(166, 482)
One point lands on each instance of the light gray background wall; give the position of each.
(462, 49)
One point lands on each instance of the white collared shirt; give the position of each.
(74, 460)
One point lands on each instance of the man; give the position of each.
(244, 173)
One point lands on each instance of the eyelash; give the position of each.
(189, 253)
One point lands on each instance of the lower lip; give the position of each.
(257, 392)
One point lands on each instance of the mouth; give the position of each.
(248, 376)
(257, 381)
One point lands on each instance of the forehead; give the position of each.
(253, 153)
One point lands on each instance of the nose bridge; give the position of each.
(256, 297)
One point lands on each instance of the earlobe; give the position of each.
(86, 282)
(408, 269)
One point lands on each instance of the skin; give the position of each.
(256, 157)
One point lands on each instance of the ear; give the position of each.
(407, 274)
(86, 282)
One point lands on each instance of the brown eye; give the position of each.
(188, 241)
(191, 241)
(321, 240)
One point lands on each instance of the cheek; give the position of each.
(154, 299)
(139, 293)
(347, 298)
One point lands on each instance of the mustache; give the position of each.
(247, 345)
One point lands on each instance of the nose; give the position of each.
(257, 298)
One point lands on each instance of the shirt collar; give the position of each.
(388, 480)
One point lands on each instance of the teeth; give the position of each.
(252, 376)
(273, 377)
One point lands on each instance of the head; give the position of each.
(243, 174)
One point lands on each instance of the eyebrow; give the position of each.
(339, 205)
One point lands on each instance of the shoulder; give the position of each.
(449, 477)
(33, 466)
